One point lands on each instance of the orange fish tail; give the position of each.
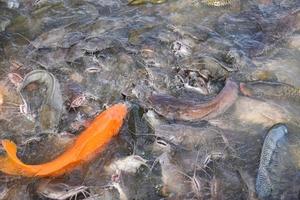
(11, 164)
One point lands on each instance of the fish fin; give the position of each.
(6, 164)
(11, 151)
(10, 163)
(8, 167)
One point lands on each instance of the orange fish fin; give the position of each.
(16, 166)
(11, 151)
(8, 167)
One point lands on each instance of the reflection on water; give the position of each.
(167, 59)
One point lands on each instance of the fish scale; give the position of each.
(269, 150)
(273, 90)
(217, 3)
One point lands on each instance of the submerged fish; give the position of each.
(86, 146)
(61, 191)
(40, 90)
(138, 2)
(277, 175)
(174, 108)
(217, 3)
(263, 182)
(129, 164)
(174, 182)
(188, 136)
(271, 90)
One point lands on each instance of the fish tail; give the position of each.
(8, 167)
(10, 163)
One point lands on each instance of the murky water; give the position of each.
(205, 84)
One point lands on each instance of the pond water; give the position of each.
(213, 88)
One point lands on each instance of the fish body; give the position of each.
(129, 164)
(271, 146)
(60, 191)
(271, 90)
(53, 87)
(139, 2)
(217, 3)
(187, 136)
(51, 107)
(174, 182)
(86, 146)
(174, 108)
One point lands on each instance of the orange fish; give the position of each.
(90, 142)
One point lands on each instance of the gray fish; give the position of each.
(48, 108)
(61, 191)
(276, 173)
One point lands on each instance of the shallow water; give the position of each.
(107, 51)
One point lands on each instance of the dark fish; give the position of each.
(70, 39)
(174, 108)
